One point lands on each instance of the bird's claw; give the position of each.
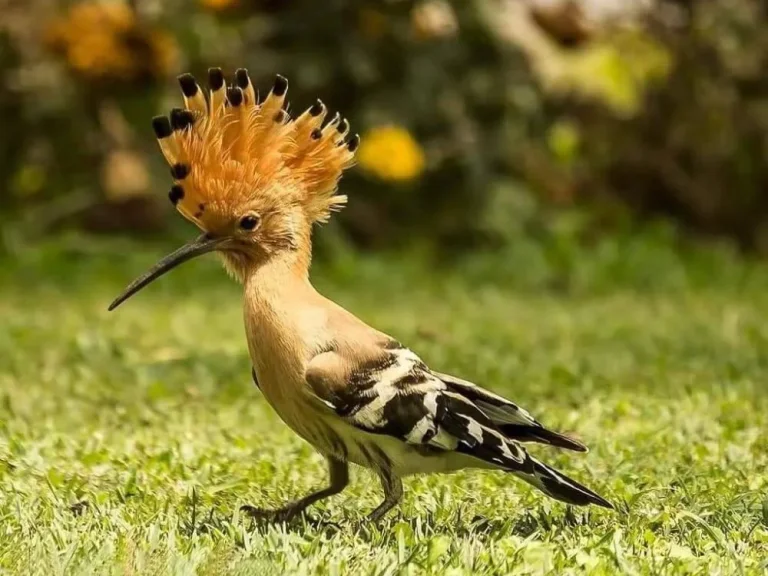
(277, 516)
(329, 528)
(286, 514)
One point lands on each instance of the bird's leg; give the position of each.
(339, 478)
(393, 492)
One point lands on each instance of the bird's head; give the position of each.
(252, 178)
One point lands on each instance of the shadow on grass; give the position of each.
(483, 528)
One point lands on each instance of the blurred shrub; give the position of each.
(82, 74)
(698, 149)
(474, 115)
(427, 84)
(105, 42)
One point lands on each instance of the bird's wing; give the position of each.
(514, 421)
(392, 392)
(388, 390)
(499, 410)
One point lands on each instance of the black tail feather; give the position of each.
(522, 433)
(561, 487)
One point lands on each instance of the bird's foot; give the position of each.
(271, 515)
(369, 525)
(285, 515)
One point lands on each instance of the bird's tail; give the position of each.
(560, 487)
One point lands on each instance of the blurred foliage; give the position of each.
(475, 117)
(698, 151)
(106, 42)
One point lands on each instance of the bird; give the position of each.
(255, 181)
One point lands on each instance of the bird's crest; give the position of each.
(228, 148)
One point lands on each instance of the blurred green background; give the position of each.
(486, 125)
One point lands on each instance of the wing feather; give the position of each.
(393, 393)
(499, 409)
(398, 396)
(512, 420)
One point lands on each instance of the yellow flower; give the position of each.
(103, 40)
(391, 153)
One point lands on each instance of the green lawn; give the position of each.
(128, 440)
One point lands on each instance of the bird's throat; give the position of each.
(262, 268)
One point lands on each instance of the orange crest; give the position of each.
(228, 150)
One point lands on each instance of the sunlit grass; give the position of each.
(128, 440)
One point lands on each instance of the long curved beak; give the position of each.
(200, 245)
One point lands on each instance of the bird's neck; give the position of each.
(278, 289)
(281, 318)
(282, 275)
(260, 269)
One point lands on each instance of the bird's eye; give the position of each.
(249, 222)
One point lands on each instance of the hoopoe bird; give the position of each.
(255, 181)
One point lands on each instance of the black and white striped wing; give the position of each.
(514, 421)
(397, 395)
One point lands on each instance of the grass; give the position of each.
(128, 440)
